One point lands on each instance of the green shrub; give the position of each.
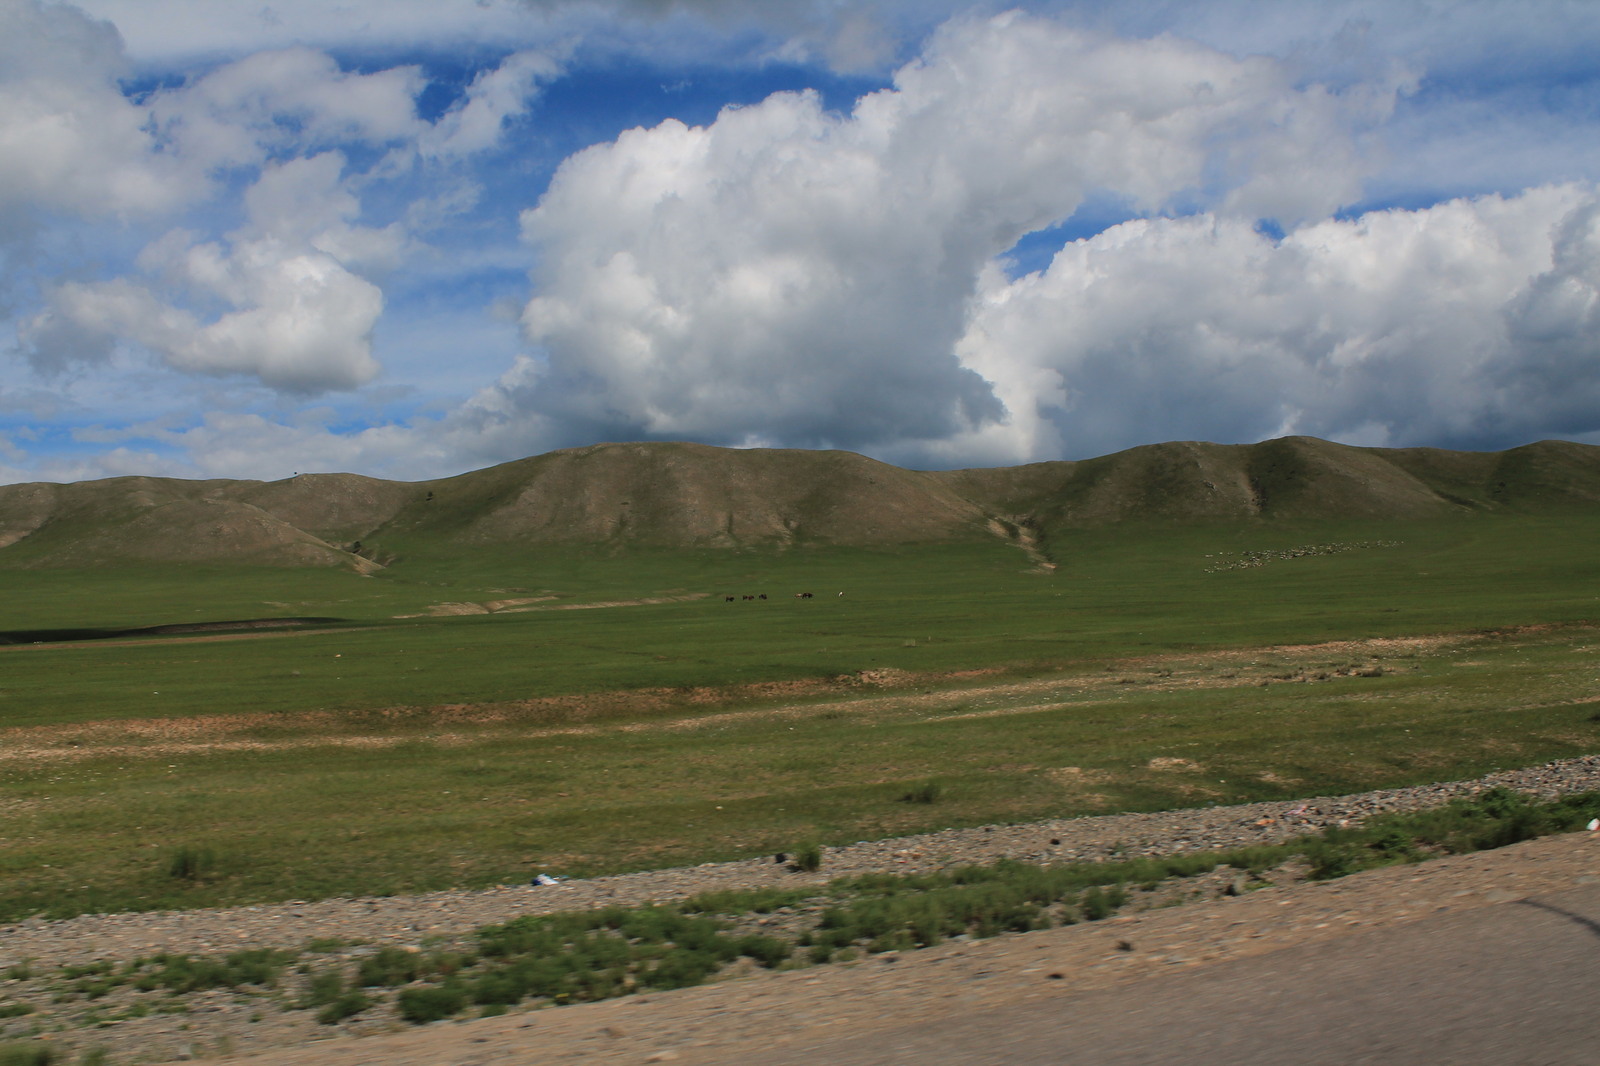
(1330, 860)
(257, 966)
(419, 1006)
(732, 901)
(324, 988)
(808, 857)
(29, 1054)
(344, 1005)
(1101, 903)
(924, 793)
(390, 966)
(182, 974)
(191, 863)
(769, 951)
(680, 969)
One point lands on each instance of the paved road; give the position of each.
(1516, 983)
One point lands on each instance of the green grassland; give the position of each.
(379, 753)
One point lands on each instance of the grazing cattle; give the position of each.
(762, 596)
(727, 599)
(749, 597)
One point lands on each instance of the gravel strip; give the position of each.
(409, 919)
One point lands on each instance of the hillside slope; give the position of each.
(662, 495)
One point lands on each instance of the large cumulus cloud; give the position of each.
(1471, 323)
(790, 274)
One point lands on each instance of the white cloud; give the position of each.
(849, 34)
(297, 318)
(72, 142)
(69, 140)
(182, 30)
(1469, 324)
(791, 274)
(494, 96)
(294, 99)
(1554, 327)
(1462, 324)
(287, 299)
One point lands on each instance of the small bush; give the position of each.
(344, 1005)
(683, 968)
(1101, 903)
(808, 857)
(257, 966)
(324, 988)
(419, 1006)
(191, 864)
(390, 966)
(1329, 861)
(925, 793)
(732, 901)
(182, 974)
(30, 1054)
(769, 951)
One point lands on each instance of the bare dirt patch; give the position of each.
(541, 603)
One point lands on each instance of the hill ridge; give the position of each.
(678, 495)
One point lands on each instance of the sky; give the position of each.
(410, 238)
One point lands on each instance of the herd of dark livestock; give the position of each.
(763, 595)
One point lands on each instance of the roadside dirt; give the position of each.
(765, 1014)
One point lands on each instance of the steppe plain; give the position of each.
(240, 694)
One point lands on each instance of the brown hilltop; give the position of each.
(1288, 479)
(694, 495)
(666, 495)
(334, 507)
(151, 520)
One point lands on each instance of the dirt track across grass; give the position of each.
(864, 694)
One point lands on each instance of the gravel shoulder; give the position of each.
(406, 919)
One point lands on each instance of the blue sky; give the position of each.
(409, 238)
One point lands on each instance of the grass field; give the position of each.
(384, 754)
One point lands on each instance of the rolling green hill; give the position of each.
(689, 496)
